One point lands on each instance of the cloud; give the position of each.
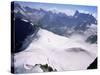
(87, 12)
(68, 12)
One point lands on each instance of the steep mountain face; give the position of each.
(22, 31)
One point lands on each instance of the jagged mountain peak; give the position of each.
(76, 13)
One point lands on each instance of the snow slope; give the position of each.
(59, 52)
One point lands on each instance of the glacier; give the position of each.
(59, 52)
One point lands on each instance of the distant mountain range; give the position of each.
(59, 23)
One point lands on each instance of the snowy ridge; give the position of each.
(59, 52)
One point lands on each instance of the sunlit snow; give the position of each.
(59, 52)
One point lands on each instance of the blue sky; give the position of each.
(68, 9)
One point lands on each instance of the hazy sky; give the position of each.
(68, 9)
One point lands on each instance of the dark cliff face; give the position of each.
(22, 30)
(92, 39)
(93, 65)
